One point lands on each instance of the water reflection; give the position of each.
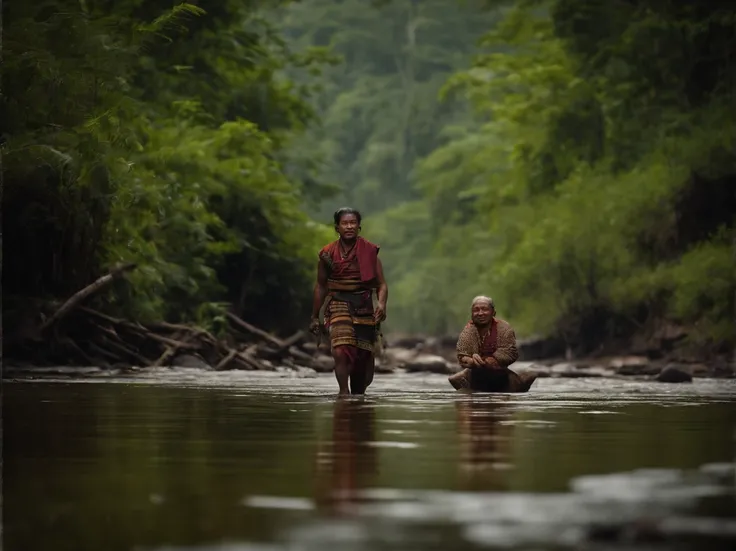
(348, 462)
(484, 443)
(137, 467)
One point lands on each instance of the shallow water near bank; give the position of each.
(194, 460)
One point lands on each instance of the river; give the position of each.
(181, 460)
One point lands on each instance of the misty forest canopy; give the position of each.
(576, 159)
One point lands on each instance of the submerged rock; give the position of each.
(675, 373)
(190, 361)
(399, 356)
(633, 365)
(428, 363)
(323, 364)
(384, 367)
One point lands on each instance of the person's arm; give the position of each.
(506, 352)
(466, 347)
(320, 290)
(380, 313)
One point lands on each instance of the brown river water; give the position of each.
(185, 460)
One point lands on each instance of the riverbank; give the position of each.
(74, 335)
(549, 359)
(106, 344)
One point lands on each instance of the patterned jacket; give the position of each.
(469, 343)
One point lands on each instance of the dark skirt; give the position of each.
(490, 380)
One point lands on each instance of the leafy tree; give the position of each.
(592, 193)
(140, 132)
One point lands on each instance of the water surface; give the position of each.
(183, 460)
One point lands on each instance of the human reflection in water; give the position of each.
(348, 462)
(485, 443)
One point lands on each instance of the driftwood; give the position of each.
(226, 360)
(99, 339)
(256, 331)
(85, 335)
(90, 289)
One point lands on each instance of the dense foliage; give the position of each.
(140, 132)
(592, 190)
(576, 159)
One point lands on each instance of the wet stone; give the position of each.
(675, 373)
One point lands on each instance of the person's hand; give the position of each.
(379, 313)
(314, 326)
(477, 360)
(492, 363)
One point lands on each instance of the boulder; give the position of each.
(675, 373)
(399, 356)
(323, 364)
(405, 341)
(575, 371)
(384, 367)
(598, 371)
(531, 367)
(428, 363)
(189, 361)
(633, 365)
(563, 369)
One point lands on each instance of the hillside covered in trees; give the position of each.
(140, 133)
(574, 159)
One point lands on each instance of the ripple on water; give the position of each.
(619, 508)
(612, 507)
(391, 444)
(273, 502)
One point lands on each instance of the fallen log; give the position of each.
(90, 289)
(294, 339)
(83, 334)
(296, 353)
(76, 348)
(171, 342)
(171, 350)
(226, 360)
(122, 348)
(256, 331)
(114, 321)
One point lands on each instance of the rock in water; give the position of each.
(383, 367)
(633, 365)
(428, 363)
(674, 373)
(187, 360)
(399, 356)
(323, 364)
(521, 381)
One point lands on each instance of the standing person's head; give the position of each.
(482, 310)
(347, 223)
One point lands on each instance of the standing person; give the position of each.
(485, 349)
(348, 272)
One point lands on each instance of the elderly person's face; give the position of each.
(482, 312)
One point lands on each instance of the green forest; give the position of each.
(574, 159)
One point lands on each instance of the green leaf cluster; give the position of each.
(578, 162)
(146, 132)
